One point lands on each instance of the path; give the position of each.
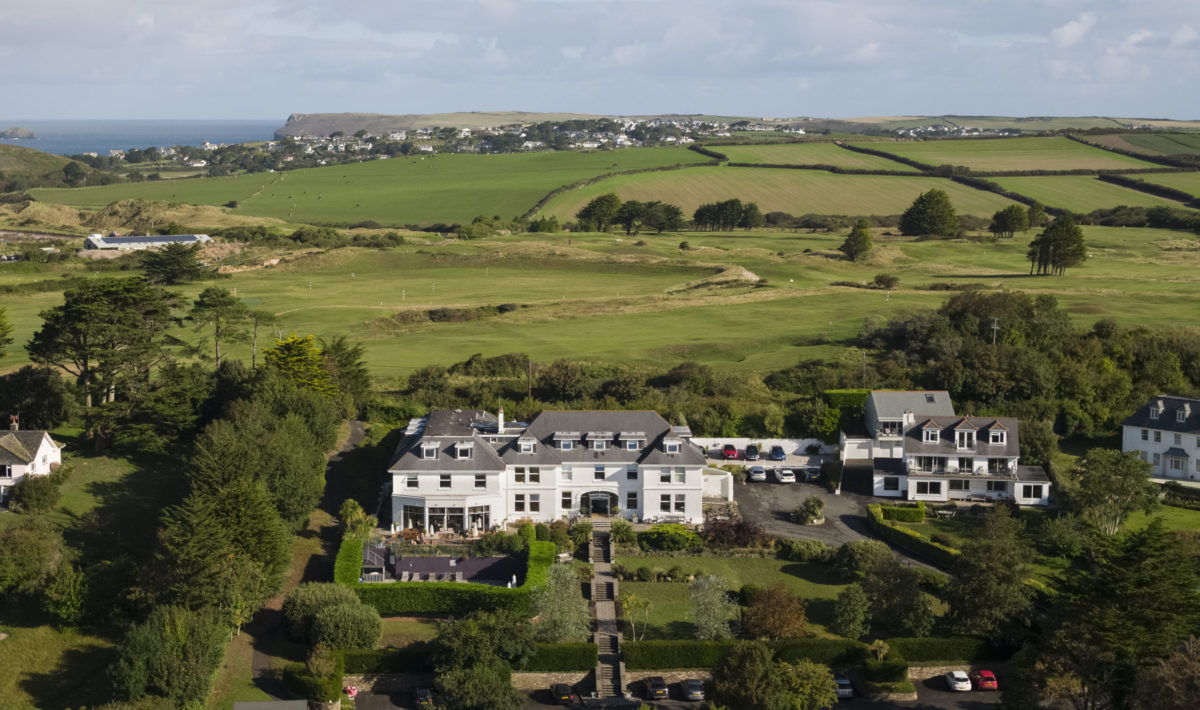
(609, 680)
(267, 623)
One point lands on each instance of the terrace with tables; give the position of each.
(390, 563)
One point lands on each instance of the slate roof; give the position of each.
(18, 448)
(445, 428)
(1168, 415)
(914, 439)
(892, 404)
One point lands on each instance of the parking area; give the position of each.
(770, 504)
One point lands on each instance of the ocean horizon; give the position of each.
(73, 137)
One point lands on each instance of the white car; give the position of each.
(842, 685)
(757, 473)
(958, 681)
(785, 475)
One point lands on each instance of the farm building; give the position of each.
(113, 241)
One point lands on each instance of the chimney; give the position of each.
(500, 421)
(13, 422)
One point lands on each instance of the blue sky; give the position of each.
(268, 58)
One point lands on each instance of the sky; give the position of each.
(266, 59)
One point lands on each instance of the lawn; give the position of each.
(51, 669)
(1188, 182)
(402, 190)
(1081, 193)
(796, 192)
(1173, 518)
(670, 605)
(399, 631)
(810, 154)
(984, 154)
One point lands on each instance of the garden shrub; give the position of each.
(497, 544)
(805, 551)
(581, 534)
(562, 657)
(939, 649)
(747, 593)
(413, 658)
(297, 679)
(886, 671)
(831, 652)
(670, 537)
(622, 532)
(644, 574)
(904, 513)
(305, 601)
(541, 532)
(909, 539)
(560, 537)
(726, 534)
(527, 532)
(813, 508)
(37, 494)
(857, 556)
(942, 539)
(350, 625)
(662, 655)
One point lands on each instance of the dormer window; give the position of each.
(932, 436)
(998, 437)
(1154, 412)
(463, 450)
(1181, 416)
(965, 439)
(429, 451)
(565, 444)
(632, 444)
(672, 446)
(526, 446)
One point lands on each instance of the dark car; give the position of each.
(729, 451)
(811, 475)
(656, 688)
(842, 686)
(777, 453)
(562, 694)
(423, 697)
(752, 453)
(691, 689)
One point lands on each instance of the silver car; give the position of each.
(757, 473)
(843, 687)
(785, 475)
(692, 689)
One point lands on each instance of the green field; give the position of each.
(809, 154)
(983, 154)
(670, 605)
(794, 191)
(603, 298)
(1165, 143)
(1188, 182)
(1081, 193)
(403, 190)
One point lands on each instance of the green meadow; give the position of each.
(779, 189)
(816, 153)
(604, 298)
(984, 154)
(401, 190)
(1083, 193)
(1188, 182)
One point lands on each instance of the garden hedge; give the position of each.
(910, 539)
(556, 657)
(393, 598)
(416, 658)
(904, 513)
(687, 653)
(934, 649)
(297, 679)
(890, 670)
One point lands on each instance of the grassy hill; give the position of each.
(1083, 193)
(438, 188)
(983, 154)
(815, 153)
(794, 191)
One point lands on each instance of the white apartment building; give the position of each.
(1166, 433)
(466, 470)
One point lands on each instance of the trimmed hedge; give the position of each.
(297, 679)
(955, 648)
(658, 655)
(555, 657)
(663, 655)
(847, 397)
(885, 671)
(393, 598)
(413, 658)
(910, 539)
(904, 513)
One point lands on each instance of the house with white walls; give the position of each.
(25, 453)
(1165, 432)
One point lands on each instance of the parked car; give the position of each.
(785, 475)
(757, 473)
(729, 451)
(842, 686)
(983, 680)
(656, 688)
(423, 697)
(691, 689)
(958, 681)
(752, 452)
(562, 694)
(811, 475)
(777, 453)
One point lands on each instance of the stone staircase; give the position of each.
(609, 670)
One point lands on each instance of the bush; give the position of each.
(36, 494)
(581, 534)
(541, 532)
(942, 539)
(886, 281)
(831, 652)
(413, 658)
(857, 556)
(726, 534)
(297, 679)
(1063, 537)
(804, 551)
(813, 508)
(886, 671)
(937, 649)
(670, 537)
(305, 601)
(353, 625)
(747, 593)
(560, 537)
(527, 533)
(622, 532)
(497, 544)
(663, 655)
(644, 574)
(904, 513)
(910, 539)
(563, 657)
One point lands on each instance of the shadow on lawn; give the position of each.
(79, 680)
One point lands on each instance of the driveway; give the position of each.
(769, 504)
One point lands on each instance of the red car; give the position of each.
(729, 451)
(983, 680)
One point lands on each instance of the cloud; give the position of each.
(1074, 31)
(1182, 36)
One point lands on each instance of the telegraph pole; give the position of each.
(995, 329)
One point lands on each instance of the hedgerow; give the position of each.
(905, 513)
(909, 539)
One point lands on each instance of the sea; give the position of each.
(73, 137)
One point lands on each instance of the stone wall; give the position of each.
(633, 679)
(393, 682)
(920, 673)
(581, 681)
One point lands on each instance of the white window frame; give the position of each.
(1157, 460)
(631, 472)
(1153, 413)
(664, 476)
(1178, 439)
(891, 483)
(599, 445)
(998, 437)
(429, 451)
(932, 436)
(997, 486)
(565, 444)
(566, 473)
(664, 503)
(680, 476)
(535, 503)
(444, 481)
(958, 484)
(481, 480)
(566, 500)
(414, 482)
(672, 447)
(632, 445)
(519, 503)
(461, 449)
(932, 488)
(526, 447)
(1032, 490)
(1180, 416)
(680, 503)
(631, 499)
(1176, 464)
(599, 474)
(1146, 435)
(1158, 437)
(964, 440)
